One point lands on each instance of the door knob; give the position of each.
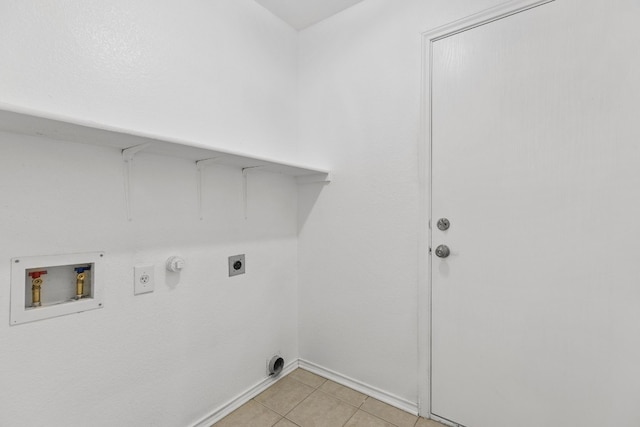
(442, 251)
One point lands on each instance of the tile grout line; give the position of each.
(387, 421)
(347, 422)
(325, 393)
(300, 403)
(358, 408)
(267, 408)
(342, 400)
(264, 406)
(382, 419)
(294, 423)
(317, 389)
(374, 416)
(277, 421)
(299, 382)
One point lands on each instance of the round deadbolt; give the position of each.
(442, 251)
(443, 224)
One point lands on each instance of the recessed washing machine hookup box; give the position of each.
(49, 286)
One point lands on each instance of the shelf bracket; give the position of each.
(245, 173)
(200, 166)
(320, 177)
(127, 156)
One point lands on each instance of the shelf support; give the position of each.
(200, 166)
(127, 156)
(245, 173)
(324, 178)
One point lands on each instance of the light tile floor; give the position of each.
(304, 399)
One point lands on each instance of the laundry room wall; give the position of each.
(360, 76)
(220, 73)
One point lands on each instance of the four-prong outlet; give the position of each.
(236, 265)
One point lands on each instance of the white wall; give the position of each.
(358, 244)
(221, 72)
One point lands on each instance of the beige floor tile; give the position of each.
(422, 422)
(321, 410)
(307, 377)
(284, 395)
(285, 423)
(251, 414)
(364, 419)
(347, 394)
(388, 413)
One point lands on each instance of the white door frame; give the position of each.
(424, 169)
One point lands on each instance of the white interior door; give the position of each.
(536, 163)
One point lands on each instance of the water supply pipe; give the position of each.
(80, 277)
(36, 285)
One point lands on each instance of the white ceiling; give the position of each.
(303, 13)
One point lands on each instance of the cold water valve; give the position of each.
(36, 286)
(80, 278)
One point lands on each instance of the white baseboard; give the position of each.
(224, 410)
(445, 422)
(374, 392)
(383, 396)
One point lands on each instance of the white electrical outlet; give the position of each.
(143, 279)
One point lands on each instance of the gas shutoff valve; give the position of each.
(175, 264)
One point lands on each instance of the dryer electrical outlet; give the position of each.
(236, 265)
(143, 279)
